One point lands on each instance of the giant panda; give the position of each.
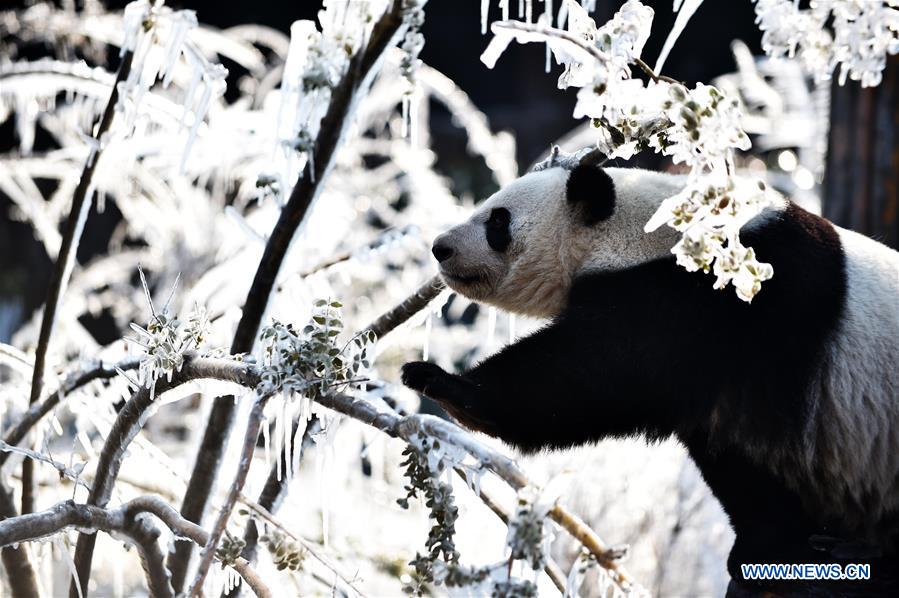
(789, 405)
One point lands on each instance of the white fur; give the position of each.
(854, 441)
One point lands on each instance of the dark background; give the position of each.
(517, 96)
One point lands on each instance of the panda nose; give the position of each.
(442, 251)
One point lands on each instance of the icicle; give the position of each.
(425, 348)
(298, 438)
(562, 17)
(529, 10)
(511, 328)
(287, 416)
(485, 10)
(504, 4)
(64, 553)
(278, 441)
(266, 443)
(547, 20)
(214, 85)
(182, 22)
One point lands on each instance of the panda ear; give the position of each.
(590, 192)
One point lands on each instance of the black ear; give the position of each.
(591, 193)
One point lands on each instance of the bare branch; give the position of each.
(334, 125)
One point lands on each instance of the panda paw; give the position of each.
(457, 395)
(426, 378)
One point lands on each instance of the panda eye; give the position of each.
(497, 227)
(499, 217)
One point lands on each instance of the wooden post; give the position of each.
(861, 181)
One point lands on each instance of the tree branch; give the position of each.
(408, 308)
(334, 125)
(408, 428)
(124, 520)
(240, 479)
(127, 424)
(65, 261)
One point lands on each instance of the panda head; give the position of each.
(523, 247)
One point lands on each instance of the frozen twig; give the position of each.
(124, 520)
(275, 488)
(334, 126)
(408, 308)
(240, 478)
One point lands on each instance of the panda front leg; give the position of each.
(546, 390)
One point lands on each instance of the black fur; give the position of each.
(497, 229)
(590, 190)
(654, 350)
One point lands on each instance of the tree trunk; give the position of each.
(861, 181)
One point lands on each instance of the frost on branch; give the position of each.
(428, 463)
(166, 339)
(311, 361)
(864, 33)
(698, 127)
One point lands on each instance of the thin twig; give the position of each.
(575, 40)
(652, 74)
(240, 478)
(275, 489)
(408, 308)
(334, 126)
(65, 261)
(257, 414)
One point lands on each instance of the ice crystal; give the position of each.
(166, 340)
(854, 35)
(699, 127)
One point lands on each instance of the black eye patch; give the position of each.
(497, 226)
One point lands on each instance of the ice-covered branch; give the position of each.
(128, 423)
(864, 33)
(344, 98)
(35, 526)
(65, 260)
(240, 478)
(416, 302)
(122, 520)
(699, 127)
